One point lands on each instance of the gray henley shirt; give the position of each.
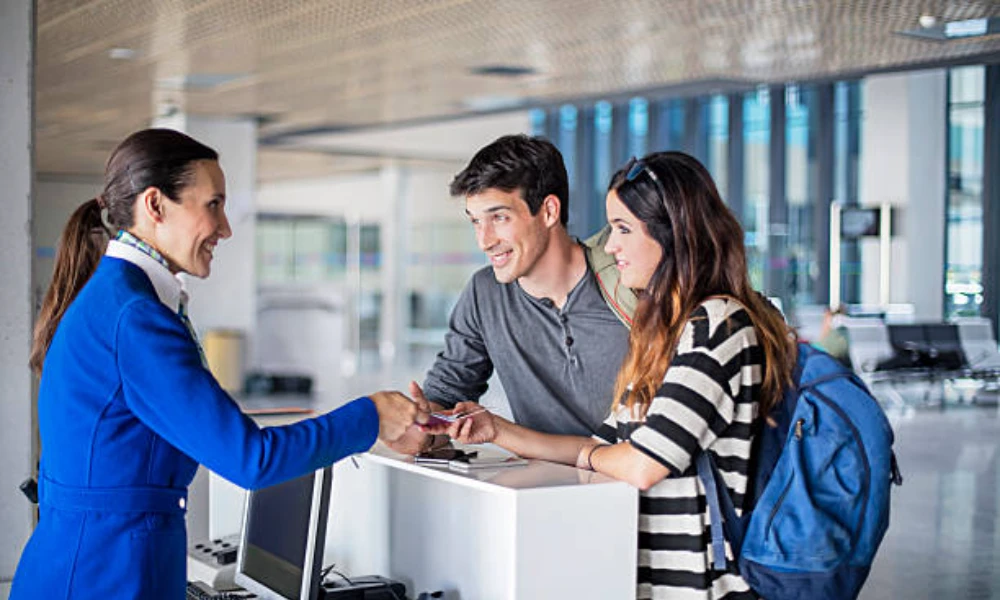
(557, 367)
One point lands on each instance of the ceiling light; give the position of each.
(122, 53)
(198, 81)
(966, 28)
(491, 102)
(932, 29)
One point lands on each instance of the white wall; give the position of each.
(16, 120)
(362, 196)
(903, 154)
(56, 197)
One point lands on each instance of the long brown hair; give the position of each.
(703, 256)
(159, 158)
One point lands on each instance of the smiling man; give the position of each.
(547, 313)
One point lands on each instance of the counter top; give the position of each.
(537, 474)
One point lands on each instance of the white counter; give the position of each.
(541, 530)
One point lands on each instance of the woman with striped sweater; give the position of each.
(708, 358)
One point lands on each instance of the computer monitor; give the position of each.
(282, 538)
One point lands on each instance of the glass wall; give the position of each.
(300, 250)
(603, 165)
(964, 224)
(756, 181)
(800, 190)
(717, 154)
(847, 102)
(306, 262)
(594, 136)
(638, 127)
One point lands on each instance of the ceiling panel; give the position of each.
(308, 64)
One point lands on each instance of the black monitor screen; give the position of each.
(280, 534)
(860, 222)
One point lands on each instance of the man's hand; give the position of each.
(478, 428)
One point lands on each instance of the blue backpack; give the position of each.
(818, 491)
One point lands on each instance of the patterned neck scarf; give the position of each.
(130, 240)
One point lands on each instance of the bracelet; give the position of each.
(590, 455)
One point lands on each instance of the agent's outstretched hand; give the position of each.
(396, 413)
(415, 440)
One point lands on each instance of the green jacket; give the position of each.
(621, 300)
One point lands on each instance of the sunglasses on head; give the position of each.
(636, 167)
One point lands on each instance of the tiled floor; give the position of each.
(943, 540)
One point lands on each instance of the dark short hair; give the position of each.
(531, 165)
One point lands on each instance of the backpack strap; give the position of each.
(723, 521)
(620, 299)
(718, 548)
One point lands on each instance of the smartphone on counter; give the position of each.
(442, 456)
(486, 462)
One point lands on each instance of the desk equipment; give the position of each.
(199, 590)
(281, 541)
(213, 562)
(369, 587)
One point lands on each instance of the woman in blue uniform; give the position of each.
(127, 409)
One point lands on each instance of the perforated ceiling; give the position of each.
(313, 63)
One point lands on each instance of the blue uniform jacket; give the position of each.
(127, 411)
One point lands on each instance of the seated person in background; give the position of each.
(548, 313)
(833, 337)
(126, 406)
(708, 358)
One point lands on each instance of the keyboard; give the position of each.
(199, 590)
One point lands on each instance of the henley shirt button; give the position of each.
(181, 503)
(548, 302)
(569, 340)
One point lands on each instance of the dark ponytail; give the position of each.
(157, 158)
(81, 247)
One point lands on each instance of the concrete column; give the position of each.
(17, 40)
(394, 230)
(903, 163)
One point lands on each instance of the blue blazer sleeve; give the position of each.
(165, 385)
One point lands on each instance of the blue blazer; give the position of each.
(126, 412)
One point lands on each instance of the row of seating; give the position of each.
(932, 352)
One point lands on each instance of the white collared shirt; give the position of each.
(169, 287)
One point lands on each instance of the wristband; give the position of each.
(590, 455)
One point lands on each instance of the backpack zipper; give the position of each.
(788, 486)
(866, 492)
